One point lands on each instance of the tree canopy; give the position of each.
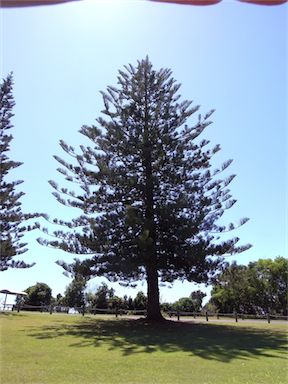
(11, 215)
(151, 204)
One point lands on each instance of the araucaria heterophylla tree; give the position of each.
(149, 198)
(12, 228)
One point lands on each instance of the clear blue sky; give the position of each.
(231, 57)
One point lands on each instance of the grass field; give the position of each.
(43, 348)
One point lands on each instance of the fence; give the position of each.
(236, 316)
(140, 312)
(77, 310)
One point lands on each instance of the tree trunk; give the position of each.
(153, 303)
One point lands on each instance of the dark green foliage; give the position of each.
(11, 216)
(140, 301)
(129, 304)
(184, 304)
(38, 295)
(116, 302)
(189, 304)
(74, 294)
(197, 298)
(58, 300)
(149, 198)
(101, 298)
(76, 270)
(260, 287)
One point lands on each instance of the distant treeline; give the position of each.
(258, 288)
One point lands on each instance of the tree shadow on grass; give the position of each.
(208, 341)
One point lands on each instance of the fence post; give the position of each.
(83, 310)
(51, 309)
(236, 317)
(178, 315)
(268, 317)
(116, 312)
(206, 314)
(18, 308)
(194, 315)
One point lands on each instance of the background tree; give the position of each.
(149, 198)
(11, 216)
(197, 299)
(273, 275)
(232, 291)
(140, 301)
(38, 295)
(101, 298)
(116, 302)
(184, 304)
(74, 295)
(59, 299)
(193, 303)
(130, 303)
(260, 287)
(125, 302)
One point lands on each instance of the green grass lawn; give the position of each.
(43, 348)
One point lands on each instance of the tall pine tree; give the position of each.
(149, 198)
(11, 216)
